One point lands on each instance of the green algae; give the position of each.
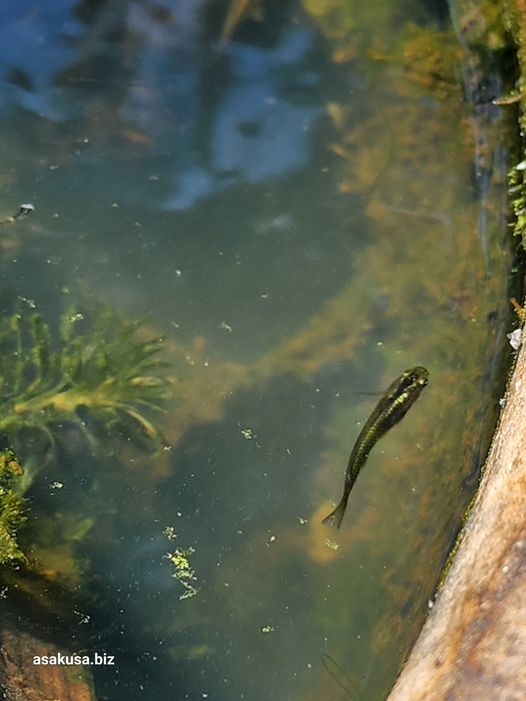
(89, 374)
(11, 508)
(95, 376)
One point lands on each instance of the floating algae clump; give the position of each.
(183, 571)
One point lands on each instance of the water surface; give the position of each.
(299, 211)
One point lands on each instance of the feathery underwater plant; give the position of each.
(96, 376)
(11, 508)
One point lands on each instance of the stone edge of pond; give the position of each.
(472, 644)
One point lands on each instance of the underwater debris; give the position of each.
(238, 11)
(170, 533)
(267, 629)
(518, 309)
(23, 211)
(515, 338)
(509, 99)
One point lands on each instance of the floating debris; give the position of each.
(23, 211)
(331, 544)
(84, 617)
(515, 338)
(184, 573)
(30, 302)
(247, 433)
(271, 540)
(268, 629)
(170, 533)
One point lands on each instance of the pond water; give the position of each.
(303, 203)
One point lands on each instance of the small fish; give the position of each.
(391, 408)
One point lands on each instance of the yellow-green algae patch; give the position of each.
(11, 508)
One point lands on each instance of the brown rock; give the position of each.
(473, 645)
(21, 680)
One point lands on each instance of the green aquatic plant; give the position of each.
(90, 375)
(11, 508)
(517, 194)
(94, 375)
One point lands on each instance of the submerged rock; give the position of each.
(23, 680)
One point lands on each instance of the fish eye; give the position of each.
(419, 378)
(416, 377)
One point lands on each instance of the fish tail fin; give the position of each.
(335, 518)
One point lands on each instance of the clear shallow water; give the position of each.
(299, 214)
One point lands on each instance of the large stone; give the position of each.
(473, 645)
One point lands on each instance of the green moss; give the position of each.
(517, 193)
(11, 508)
(513, 14)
